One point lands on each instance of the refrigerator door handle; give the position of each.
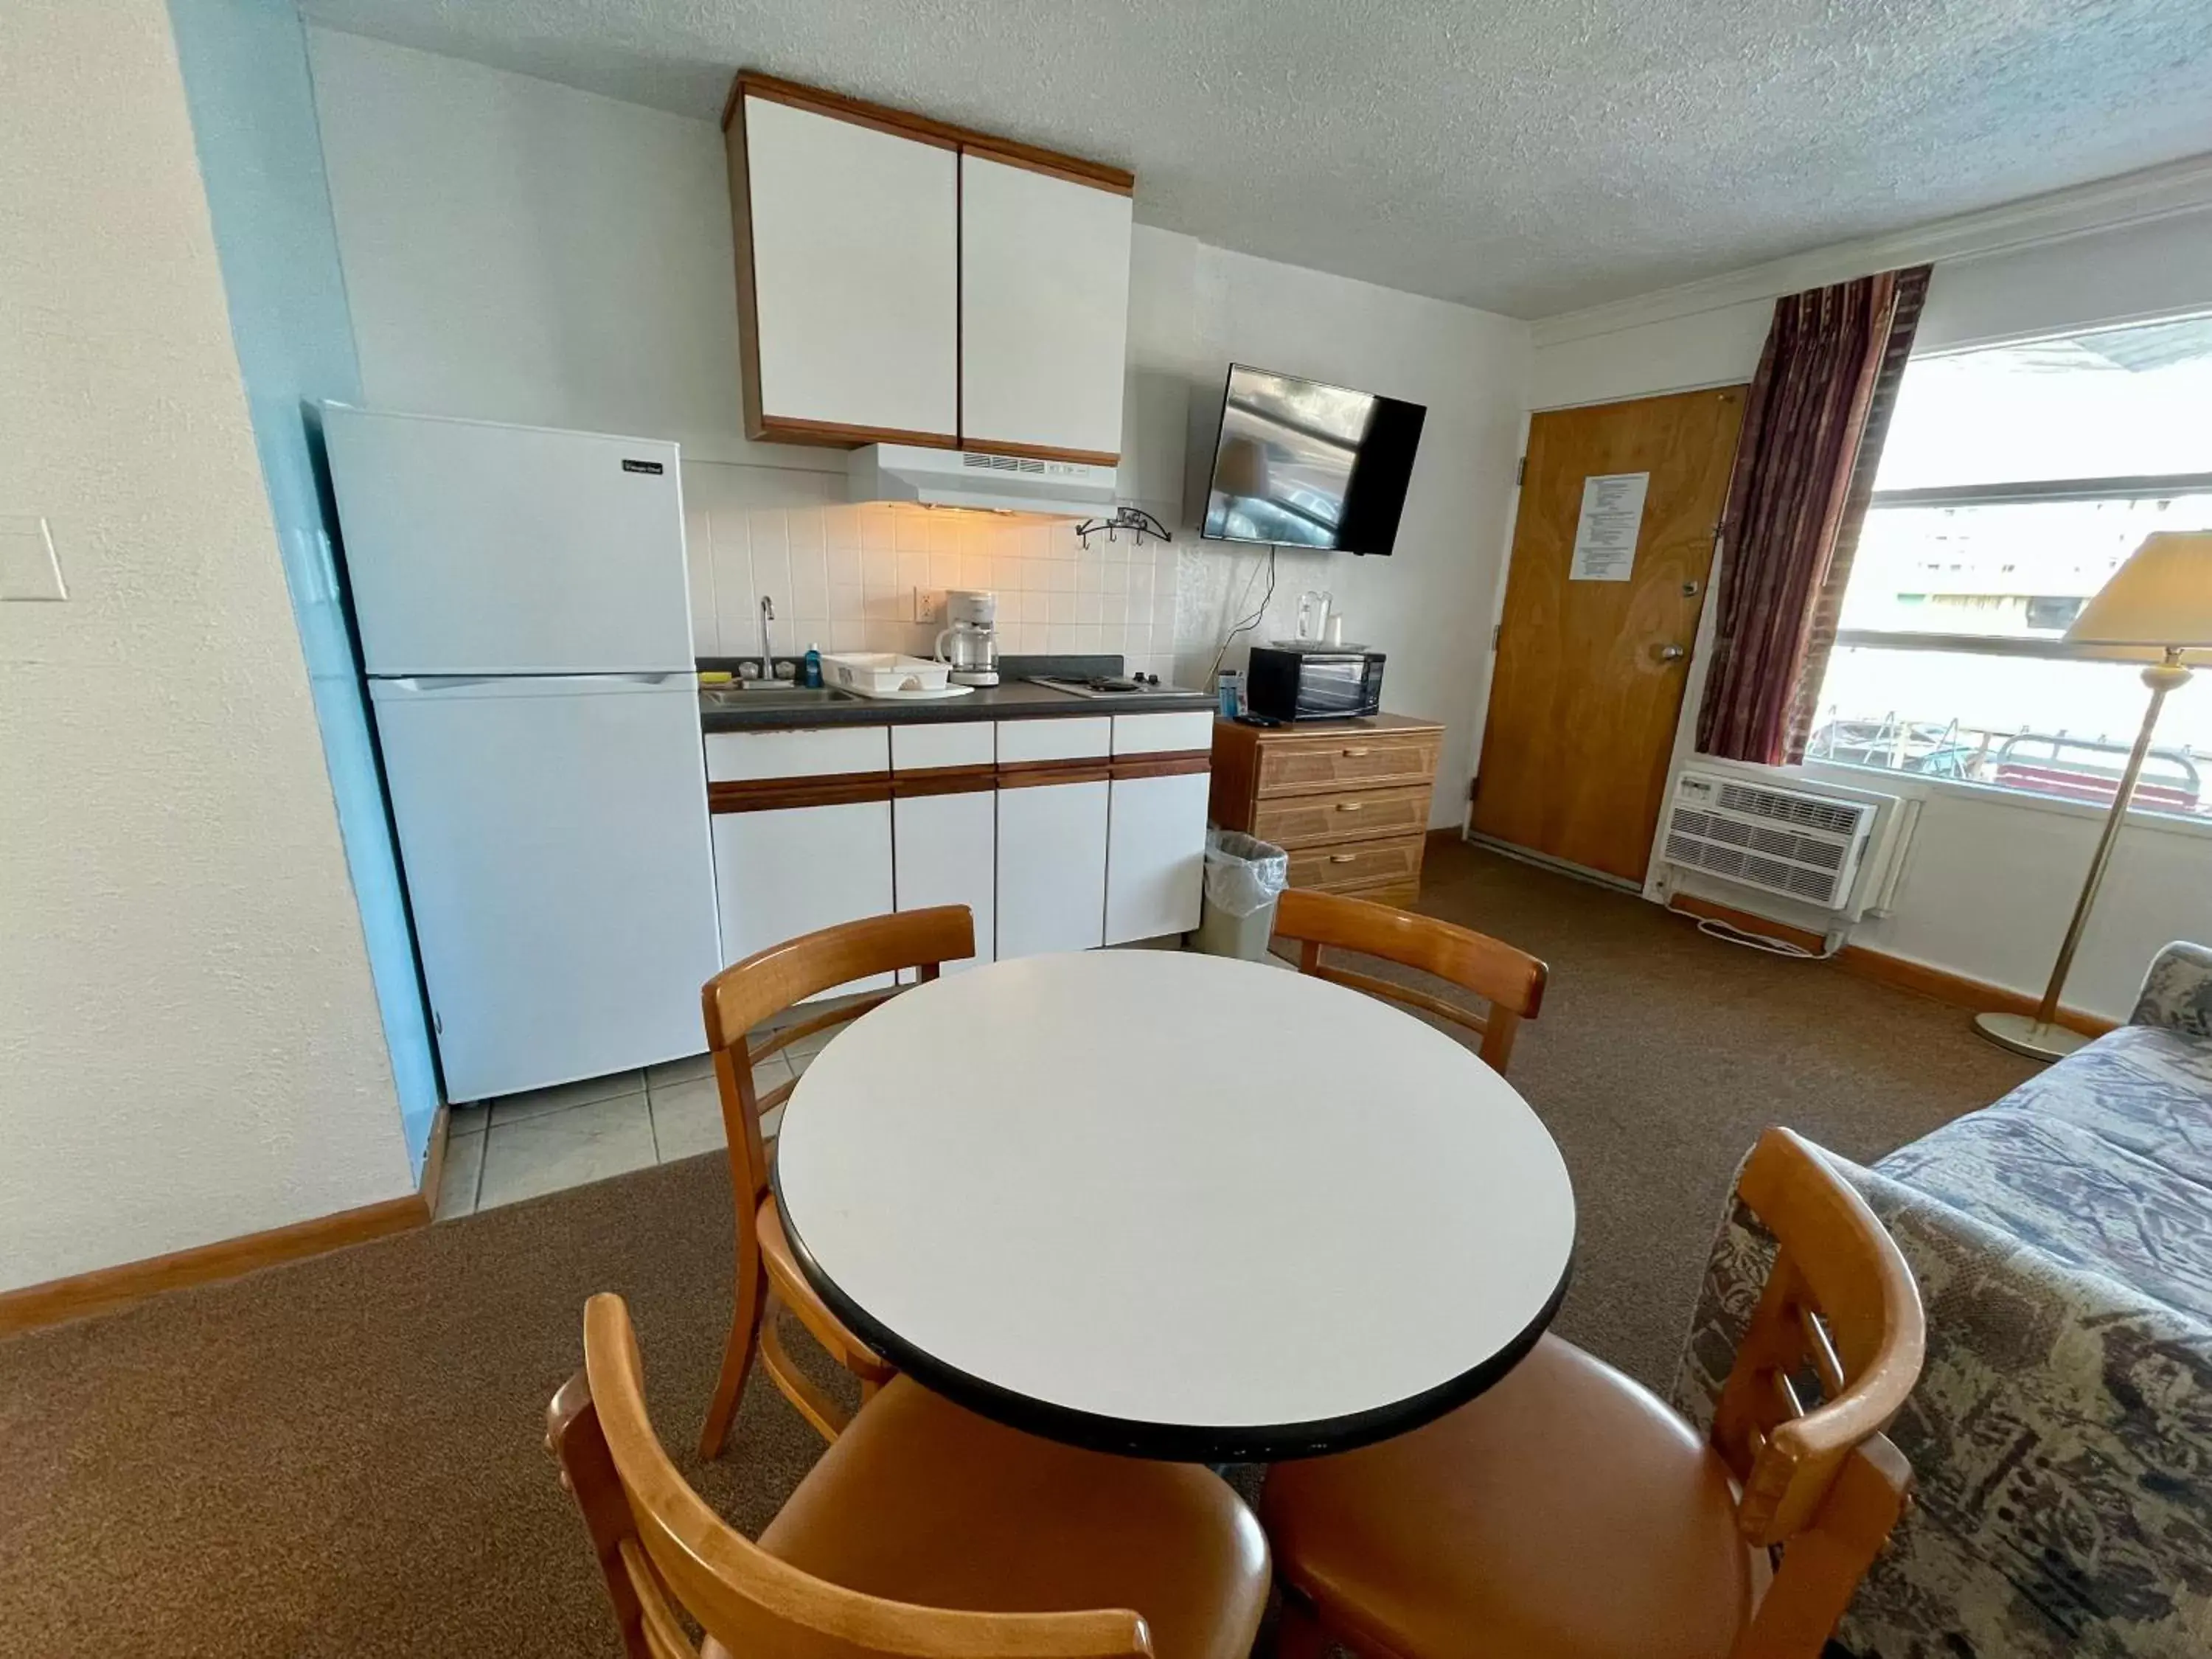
(432, 682)
(436, 682)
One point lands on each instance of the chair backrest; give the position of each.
(768, 981)
(1511, 981)
(1831, 1353)
(662, 1549)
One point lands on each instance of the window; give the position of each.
(2014, 481)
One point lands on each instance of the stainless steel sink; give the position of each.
(775, 696)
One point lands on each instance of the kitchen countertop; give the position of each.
(1013, 698)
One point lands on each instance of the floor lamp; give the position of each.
(2157, 606)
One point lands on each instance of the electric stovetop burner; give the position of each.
(1103, 685)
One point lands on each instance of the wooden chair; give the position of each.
(737, 1000)
(1568, 1511)
(924, 1531)
(1511, 981)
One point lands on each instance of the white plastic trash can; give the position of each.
(1243, 876)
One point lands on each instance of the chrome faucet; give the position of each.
(767, 656)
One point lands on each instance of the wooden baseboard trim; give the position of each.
(433, 1167)
(1883, 969)
(1958, 990)
(108, 1290)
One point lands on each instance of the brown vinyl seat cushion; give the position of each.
(922, 1501)
(1565, 1514)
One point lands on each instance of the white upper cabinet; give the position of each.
(903, 281)
(1044, 309)
(849, 234)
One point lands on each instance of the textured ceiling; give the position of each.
(1531, 156)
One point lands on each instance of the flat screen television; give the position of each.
(1304, 465)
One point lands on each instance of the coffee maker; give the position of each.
(970, 640)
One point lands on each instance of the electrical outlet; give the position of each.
(929, 606)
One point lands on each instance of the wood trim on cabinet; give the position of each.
(1018, 156)
(943, 781)
(839, 108)
(777, 794)
(907, 125)
(960, 302)
(791, 429)
(1898, 972)
(1037, 774)
(1176, 763)
(1040, 451)
(741, 218)
(837, 789)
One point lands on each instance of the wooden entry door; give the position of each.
(1587, 684)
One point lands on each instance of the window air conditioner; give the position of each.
(1792, 842)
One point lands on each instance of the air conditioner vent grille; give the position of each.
(1809, 811)
(1802, 846)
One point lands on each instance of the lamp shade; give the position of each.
(2161, 597)
(1242, 468)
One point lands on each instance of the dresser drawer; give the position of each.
(1352, 760)
(1291, 821)
(1362, 864)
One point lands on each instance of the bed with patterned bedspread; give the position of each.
(2062, 1432)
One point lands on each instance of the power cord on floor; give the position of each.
(1713, 928)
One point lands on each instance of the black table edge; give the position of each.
(1168, 1442)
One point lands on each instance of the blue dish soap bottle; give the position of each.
(814, 665)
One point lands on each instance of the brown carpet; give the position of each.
(344, 1456)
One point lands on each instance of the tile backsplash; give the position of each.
(844, 576)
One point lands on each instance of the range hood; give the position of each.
(995, 484)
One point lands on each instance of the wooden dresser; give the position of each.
(1347, 799)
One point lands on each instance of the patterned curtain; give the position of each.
(1804, 468)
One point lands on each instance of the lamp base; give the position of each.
(2024, 1035)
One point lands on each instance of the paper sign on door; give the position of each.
(1605, 535)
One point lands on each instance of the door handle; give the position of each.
(1672, 653)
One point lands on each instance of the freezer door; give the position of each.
(555, 842)
(476, 548)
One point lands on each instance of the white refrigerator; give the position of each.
(525, 629)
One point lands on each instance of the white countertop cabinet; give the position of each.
(1052, 868)
(786, 871)
(1155, 855)
(1058, 835)
(945, 843)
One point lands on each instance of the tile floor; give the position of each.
(519, 1146)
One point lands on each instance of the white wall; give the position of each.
(190, 1046)
(1991, 878)
(519, 250)
(2119, 252)
(1428, 605)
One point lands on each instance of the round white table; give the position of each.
(1174, 1206)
